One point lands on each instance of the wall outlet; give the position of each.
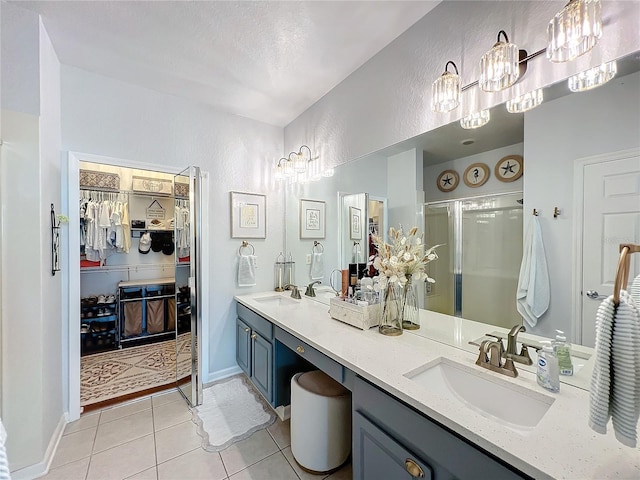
(308, 259)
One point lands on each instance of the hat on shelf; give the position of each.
(167, 244)
(145, 243)
(156, 241)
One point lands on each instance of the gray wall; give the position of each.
(556, 134)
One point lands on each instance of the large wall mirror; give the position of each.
(558, 141)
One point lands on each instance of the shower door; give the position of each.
(477, 270)
(187, 313)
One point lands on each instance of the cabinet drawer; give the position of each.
(256, 322)
(449, 455)
(320, 360)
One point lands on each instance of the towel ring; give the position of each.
(319, 245)
(246, 244)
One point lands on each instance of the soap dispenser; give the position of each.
(562, 349)
(548, 368)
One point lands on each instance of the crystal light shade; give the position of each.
(298, 162)
(592, 78)
(475, 120)
(574, 30)
(525, 102)
(445, 91)
(499, 67)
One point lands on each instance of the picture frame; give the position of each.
(248, 215)
(355, 223)
(312, 219)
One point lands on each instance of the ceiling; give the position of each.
(265, 60)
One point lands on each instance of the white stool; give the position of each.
(320, 422)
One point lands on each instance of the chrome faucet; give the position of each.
(295, 293)
(512, 347)
(310, 292)
(491, 359)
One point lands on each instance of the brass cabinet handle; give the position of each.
(246, 330)
(299, 349)
(413, 468)
(254, 336)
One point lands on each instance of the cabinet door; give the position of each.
(243, 346)
(262, 365)
(377, 456)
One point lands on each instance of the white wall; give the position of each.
(387, 99)
(31, 330)
(51, 300)
(556, 134)
(493, 185)
(107, 117)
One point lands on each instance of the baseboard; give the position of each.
(283, 412)
(222, 374)
(42, 468)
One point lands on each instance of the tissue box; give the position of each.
(362, 317)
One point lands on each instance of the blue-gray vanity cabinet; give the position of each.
(386, 430)
(254, 350)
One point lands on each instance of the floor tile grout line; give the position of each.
(255, 463)
(155, 443)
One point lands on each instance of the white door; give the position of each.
(611, 216)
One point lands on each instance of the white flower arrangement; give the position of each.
(402, 259)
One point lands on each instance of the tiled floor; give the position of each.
(154, 439)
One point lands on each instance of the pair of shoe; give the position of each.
(106, 299)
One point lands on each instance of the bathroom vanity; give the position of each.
(405, 422)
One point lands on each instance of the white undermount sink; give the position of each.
(511, 405)
(276, 300)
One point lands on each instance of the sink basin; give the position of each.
(276, 300)
(511, 405)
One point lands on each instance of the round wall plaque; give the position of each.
(476, 174)
(509, 168)
(448, 180)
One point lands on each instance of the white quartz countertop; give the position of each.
(560, 446)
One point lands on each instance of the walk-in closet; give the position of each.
(136, 279)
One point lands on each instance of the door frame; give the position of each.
(71, 272)
(578, 233)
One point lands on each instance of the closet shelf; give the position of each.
(150, 297)
(126, 268)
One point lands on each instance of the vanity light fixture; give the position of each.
(592, 78)
(300, 159)
(445, 90)
(525, 102)
(283, 169)
(475, 120)
(500, 67)
(574, 30)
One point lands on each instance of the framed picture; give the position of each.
(312, 219)
(248, 215)
(355, 223)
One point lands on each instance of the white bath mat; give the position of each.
(231, 411)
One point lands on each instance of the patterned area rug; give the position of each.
(104, 376)
(231, 411)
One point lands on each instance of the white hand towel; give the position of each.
(533, 294)
(635, 291)
(317, 266)
(247, 270)
(599, 392)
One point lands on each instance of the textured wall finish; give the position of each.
(264, 60)
(387, 99)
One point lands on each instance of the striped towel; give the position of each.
(4, 464)
(615, 383)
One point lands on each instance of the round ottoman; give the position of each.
(320, 422)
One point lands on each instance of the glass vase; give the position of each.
(410, 312)
(391, 321)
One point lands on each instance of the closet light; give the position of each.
(500, 66)
(475, 120)
(445, 90)
(592, 78)
(574, 30)
(525, 102)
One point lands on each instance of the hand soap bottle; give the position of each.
(562, 349)
(548, 368)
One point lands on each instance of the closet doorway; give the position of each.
(136, 261)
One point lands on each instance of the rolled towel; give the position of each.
(317, 266)
(247, 270)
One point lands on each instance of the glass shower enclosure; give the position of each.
(479, 261)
